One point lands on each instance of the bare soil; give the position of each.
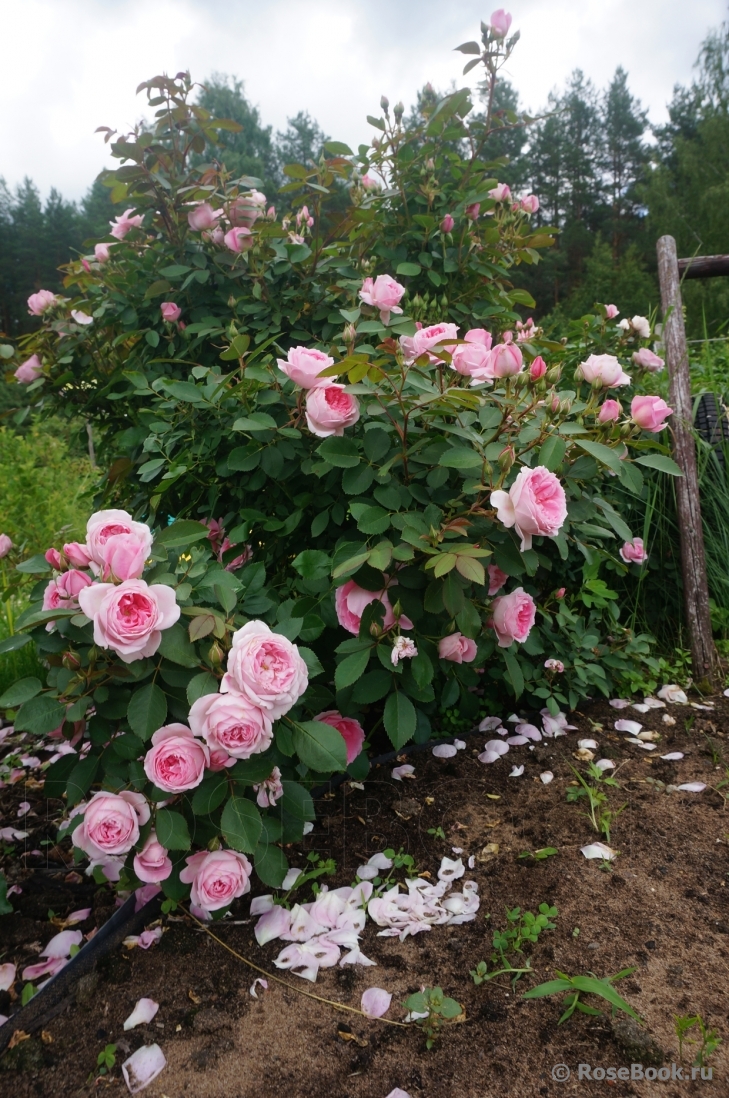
(663, 908)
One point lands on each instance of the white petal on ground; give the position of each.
(142, 1067)
(726, 693)
(490, 723)
(696, 705)
(619, 703)
(308, 827)
(445, 751)
(517, 741)
(498, 747)
(546, 777)
(460, 745)
(60, 945)
(78, 916)
(513, 719)
(404, 771)
(668, 719)
(143, 1012)
(451, 870)
(457, 849)
(673, 756)
(673, 694)
(488, 757)
(291, 878)
(397, 1092)
(693, 787)
(252, 988)
(631, 727)
(516, 771)
(530, 731)
(7, 976)
(641, 743)
(3, 1019)
(605, 764)
(375, 1002)
(653, 703)
(599, 850)
(640, 708)
(472, 861)
(356, 785)
(588, 745)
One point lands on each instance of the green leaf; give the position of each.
(661, 462)
(516, 677)
(601, 453)
(20, 692)
(469, 47)
(200, 685)
(175, 646)
(39, 715)
(256, 421)
(57, 776)
(351, 669)
(400, 719)
(241, 824)
(605, 991)
(320, 747)
(408, 269)
(270, 864)
(181, 533)
(297, 801)
(551, 987)
(552, 452)
(147, 710)
(13, 643)
(128, 746)
(172, 830)
(373, 686)
(338, 148)
(33, 565)
(80, 779)
(312, 564)
(340, 452)
(210, 794)
(460, 458)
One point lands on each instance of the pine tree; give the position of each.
(624, 156)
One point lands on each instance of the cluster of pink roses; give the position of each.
(474, 358)
(329, 407)
(243, 213)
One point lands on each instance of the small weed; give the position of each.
(575, 986)
(714, 751)
(710, 1040)
(521, 928)
(437, 832)
(318, 867)
(600, 814)
(436, 1010)
(539, 855)
(106, 1059)
(29, 990)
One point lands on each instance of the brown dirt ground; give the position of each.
(664, 909)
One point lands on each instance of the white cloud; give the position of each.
(72, 65)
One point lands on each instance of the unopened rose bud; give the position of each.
(216, 654)
(71, 660)
(430, 165)
(560, 593)
(565, 407)
(446, 225)
(553, 375)
(399, 110)
(538, 368)
(507, 457)
(214, 843)
(375, 142)
(472, 211)
(384, 103)
(349, 334)
(579, 376)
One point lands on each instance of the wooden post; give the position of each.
(704, 657)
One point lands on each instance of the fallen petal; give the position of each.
(78, 916)
(397, 1092)
(445, 751)
(7, 976)
(516, 771)
(60, 945)
(619, 703)
(143, 1012)
(546, 777)
(404, 771)
(142, 1067)
(587, 745)
(653, 703)
(693, 787)
(605, 764)
(640, 707)
(460, 745)
(488, 757)
(376, 1002)
(641, 743)
(599, 850)
(263, 983)
(632, 727)
(673, 756)
(498, 747)
(488, 724)
(668, 719)
(672, 693)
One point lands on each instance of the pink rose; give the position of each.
(425, 338)
(247, 208)
(330, 410)
(633, 552)
(105, 525)
(271, 791)
(369, 183)
(650, 412)
(203, 216)
(606, 370)
(170, 311)
(383, 293)
(303, 365)
(62, 593)
(611, 311)
(560, 593)
(217, 533)
(554, 665)
(5, 545)
(40, 302)
(497, 578)
(538, 368)
(152, 864)
(457, 648)
(609, 411)
(217, 878)
(238, 239)
(535, 504)
(129, 618)
(350, 602)
(530, 204)
(54, 559)
(123, 557)
(505, 361)
(472, 357)
(500, 193)
(121, 225)
(176, 761)
(266, 668)
(231, 723)
(500, 23)
(30, 370)
(647, 360)
(77, 554)
(349, 729)
(111, 823)
(513, 616)
(447, 224)
(101, 252)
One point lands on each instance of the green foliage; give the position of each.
(439, 1010)
(522, 927)
(708, 1039)
(577, 986)
(106, 1060)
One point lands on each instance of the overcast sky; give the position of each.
(69, 66)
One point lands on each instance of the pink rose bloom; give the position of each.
(500, 193)
(176, 761)
(271, 791)
(633, 552)
(505, 361)
(5, 545)
(611, 311)
(426, 338)
(351, 600)
(330, 410)
(123, 558)
(609, 411)
(535, 504)
(650, 413)
(203, 216)
(76, 554)
(606, 370)
(217, 533)
(238, 239)
(121, 225)
(103, 526)
(152, 864)
(554, 665)
(403, 649)
(231, 723)
(303, 364)
(247, 208)
(40, 302)
(266, 668)
(530, 204)
(513, 616)
(217, 878)
(500, 23)
(215, 236)
(472, 211)
(447, 224)
(647, 360)
(29, 370)
(497, 578)
(62, 593)
(349, 729)
(383, 293)
(457, 648)
(111, 823)
(170, 311)
(472, 357)
(129, 618)
(560, 593)
(369, 183)
(538, 368)
(101, 252)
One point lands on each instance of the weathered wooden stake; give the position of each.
(704, 656)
